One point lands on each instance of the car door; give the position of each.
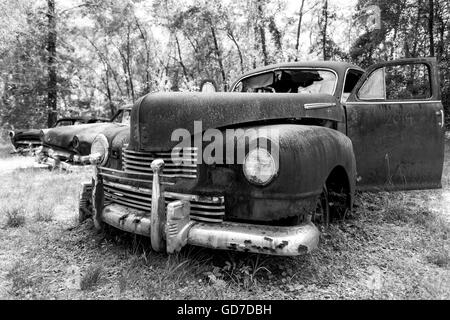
(395, 120)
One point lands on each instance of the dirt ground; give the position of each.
(393, 246)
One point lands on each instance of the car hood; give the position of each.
(62, 136)
(26, 134)
(87, 136)
(155, 116)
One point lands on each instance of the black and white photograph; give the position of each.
(208, 151)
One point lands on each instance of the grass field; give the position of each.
(394, 246)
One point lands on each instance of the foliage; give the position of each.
(112, 52)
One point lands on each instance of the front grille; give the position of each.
(28, 142)
(206, 209)
(139, 162)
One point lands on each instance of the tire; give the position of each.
(85, 202)
(321, 215)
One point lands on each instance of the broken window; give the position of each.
(290, 81)
(350, 82)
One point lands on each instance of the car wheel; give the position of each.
(321, 215)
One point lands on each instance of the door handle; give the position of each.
(441, 113)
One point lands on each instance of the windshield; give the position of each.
(64, 123)
(290, 81)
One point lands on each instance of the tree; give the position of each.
(300, 16)
(52, 78)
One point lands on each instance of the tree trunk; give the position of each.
(147, 56)
(430, 26)
(52, 77)
(262, 34)
(108, 92)
(276, 34)
(300, 17)
(128, 61)
(324, 30)
(416, 30)
(219, 57)
(238, 48)
(180, 58)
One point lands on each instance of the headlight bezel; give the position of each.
(101, 140)
(256, 179)
(76, 143)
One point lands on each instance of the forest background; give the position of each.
(89, 57)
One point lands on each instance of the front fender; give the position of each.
(307, 156)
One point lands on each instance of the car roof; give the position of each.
(82, 119)
(70, 119)
(339, 66)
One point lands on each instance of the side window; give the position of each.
(398, 82)
(408, 82)
(374, 87)
(63, 123)
(351, 79)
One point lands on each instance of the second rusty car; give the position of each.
(67, 146)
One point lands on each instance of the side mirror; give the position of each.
(208, 86)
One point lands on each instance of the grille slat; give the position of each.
(184, 167)
(165, 170)
(168, 165)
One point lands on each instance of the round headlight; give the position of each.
(100, 147)
(75, 142)
(260, 167)
(12, 134)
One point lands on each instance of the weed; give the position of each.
(440, 258)
(20, 275)
(44, 212)
(91, 277)
(15, 217)
(242, 272)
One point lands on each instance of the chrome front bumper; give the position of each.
(170, 228)
(52, 159)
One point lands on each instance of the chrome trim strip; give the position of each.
(131, 158)
(133, 179)
(319, 105)
(393, 102)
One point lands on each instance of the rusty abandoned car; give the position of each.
(340, 129)
(28, 140)
(67, 146)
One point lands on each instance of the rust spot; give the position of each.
(137, 221)
(123, 218)
(268, 239)
(283, 244)
(247, 242)
(302, 249)
(267, 249)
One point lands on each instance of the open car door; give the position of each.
(395, 120)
